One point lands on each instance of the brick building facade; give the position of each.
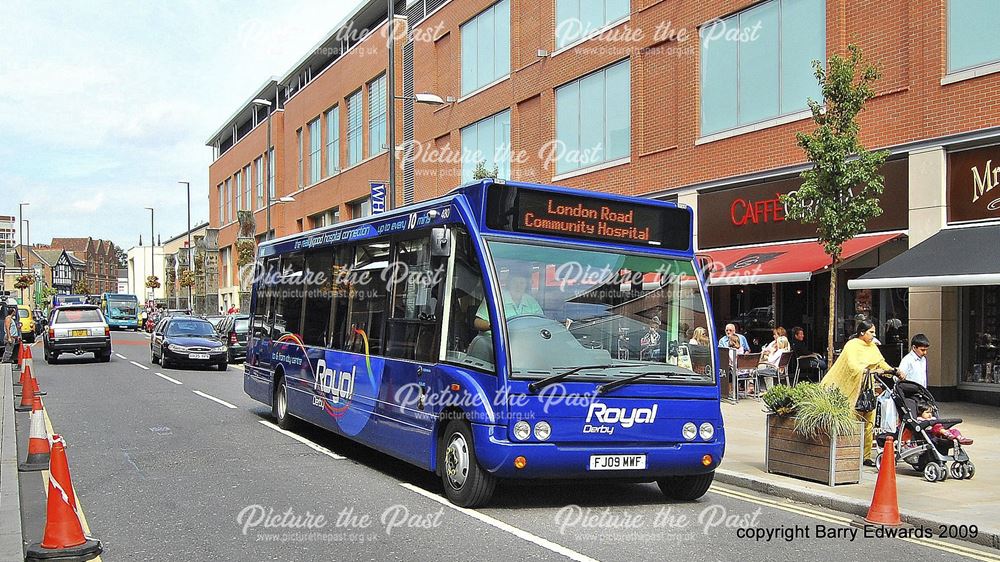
(98, 255)
(678, 100)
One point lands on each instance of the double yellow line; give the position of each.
(847, 522)
(45, 481)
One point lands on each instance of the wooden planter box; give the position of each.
(830, 460)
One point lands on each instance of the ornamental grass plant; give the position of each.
(818, 410)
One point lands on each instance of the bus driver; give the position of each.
(516, 302)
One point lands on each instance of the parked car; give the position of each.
(235, 331)
(77, 329)
(187, 340)
(27, 322)
(215, 320)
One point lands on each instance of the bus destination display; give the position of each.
(523, 210)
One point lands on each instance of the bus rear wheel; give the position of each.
(466, 484)
(686, 488)
(279, 407)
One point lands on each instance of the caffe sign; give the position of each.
(974, 185)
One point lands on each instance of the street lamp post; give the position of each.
(190, 260)
(267, 164)
(20, 233)
(152, 248)
(27, 254)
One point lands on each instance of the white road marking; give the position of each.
(519, 533)
(214, 399)
(140, 365)
(120, 356)
(165, 377)
(303, 440)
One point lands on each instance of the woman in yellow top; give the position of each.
(847, 374)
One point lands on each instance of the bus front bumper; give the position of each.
(496, 455)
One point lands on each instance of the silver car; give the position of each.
(77, 329)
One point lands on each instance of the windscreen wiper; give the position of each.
(538, 385)
(608, 387)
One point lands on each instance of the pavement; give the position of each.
(952, 502)
(182, 464)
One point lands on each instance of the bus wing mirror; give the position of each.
(440, 242)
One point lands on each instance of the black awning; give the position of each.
(953, 257)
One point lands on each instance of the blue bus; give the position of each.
(504, 331)
(120, 310)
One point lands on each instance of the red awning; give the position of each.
(783, 263)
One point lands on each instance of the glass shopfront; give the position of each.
(980, 335)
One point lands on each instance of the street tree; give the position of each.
(482, 172)
(840, 193)
(81, 287)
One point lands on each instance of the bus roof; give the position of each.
(475, 194)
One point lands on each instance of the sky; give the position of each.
(105, 106)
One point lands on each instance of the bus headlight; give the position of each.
(689, 431)
(542, 430)
(522, 430)
(706, 431)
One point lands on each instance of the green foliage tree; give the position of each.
(840, 193)
(81, 287)
(482, 172)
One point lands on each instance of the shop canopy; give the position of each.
(953, 257)
(783, 263)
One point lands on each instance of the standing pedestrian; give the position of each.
(11, 332)
(913, 367)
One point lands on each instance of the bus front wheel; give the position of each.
(686, 488)
(466, 484)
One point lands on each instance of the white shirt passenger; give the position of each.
(915, 368)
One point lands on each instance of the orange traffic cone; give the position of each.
(26, 357)
(27, 398)
(63, 537)
(885, 507)
(25, 375)
(34, 384)
(38, 441)
(28, 376)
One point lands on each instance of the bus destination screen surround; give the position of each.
(524, 210)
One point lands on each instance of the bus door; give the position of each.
(416, 275)
(263, 318)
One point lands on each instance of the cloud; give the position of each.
(104, 115)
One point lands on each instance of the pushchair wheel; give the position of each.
(958, 470)
(970, 470)
(932, 472)
(878, 462)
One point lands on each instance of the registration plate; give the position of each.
(79, 333)
(617, 462)
(197, 356)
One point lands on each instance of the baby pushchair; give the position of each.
(913, 441)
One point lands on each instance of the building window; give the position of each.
(258, 166)
(579, 19)
(270, 173)
(229, 199)
(298, 137)
(487, 141)
(766, 74)
(315, 151)
(333, 141)
(224, 262)
(486, 47)
(222, 205)
(238, 190)
(376, 115)
(980, 316)
(354, 128)
(593, 123)
(362, 208)
(247, 193)
(970, 24)
(325, 218)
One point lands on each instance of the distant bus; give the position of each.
(121, 310)
(505, 330)
(60, 300)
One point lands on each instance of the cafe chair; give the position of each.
(746, 374)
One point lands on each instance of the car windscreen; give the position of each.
(192, 328)
(78, 315)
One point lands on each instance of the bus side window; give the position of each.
(368, 298)
(340, 295)
(264, 304)
(466, 344)
(318, 296)
(413, 329)
(288, 301)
